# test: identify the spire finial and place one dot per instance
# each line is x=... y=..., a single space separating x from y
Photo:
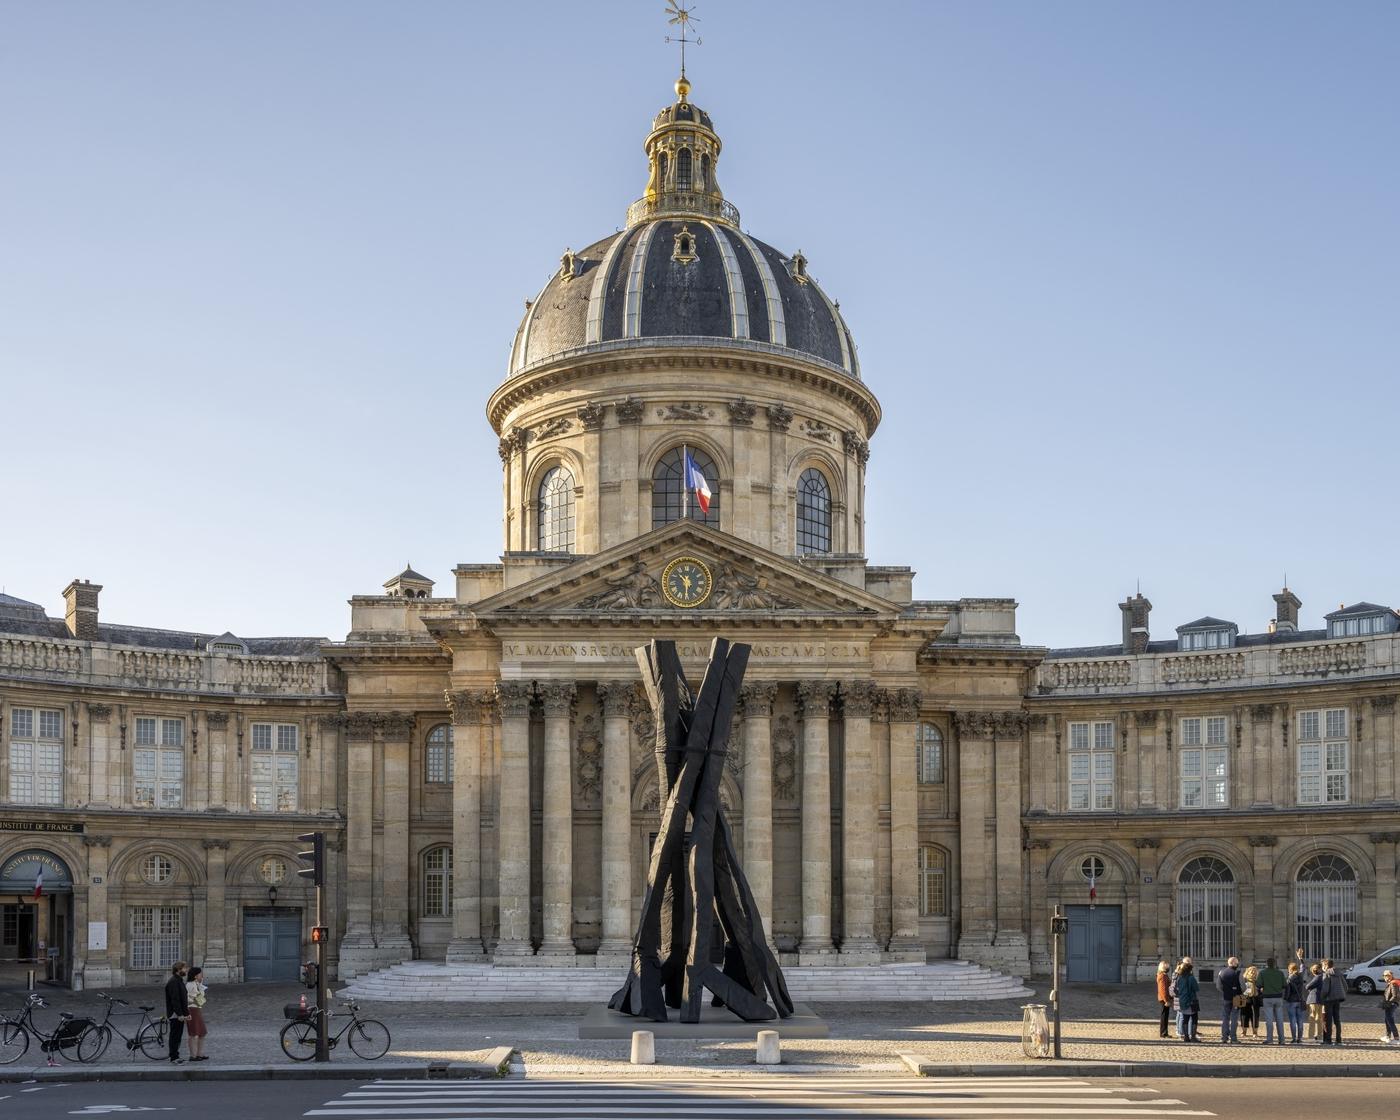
x=681 y=16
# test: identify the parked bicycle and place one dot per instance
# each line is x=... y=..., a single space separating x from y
x=148 y=1037
x=16 y=1032
x=369 y=1038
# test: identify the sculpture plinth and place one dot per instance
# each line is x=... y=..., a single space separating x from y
x=698 y=905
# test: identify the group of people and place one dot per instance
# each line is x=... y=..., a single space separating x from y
x=185 y=996
x=1309 y=996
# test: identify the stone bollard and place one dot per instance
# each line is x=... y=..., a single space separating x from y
x=643 y=1048
x=769 y=1049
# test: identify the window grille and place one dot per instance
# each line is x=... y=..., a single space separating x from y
x=437 y=883
x=1206 y=905
x=438 y=754
x=933 y=881
x=556 y=511
x=930 y=754
x=1325 y=908
x=813 y=512
x=668 y=489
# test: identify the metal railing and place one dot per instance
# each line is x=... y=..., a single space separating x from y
x=683 y=202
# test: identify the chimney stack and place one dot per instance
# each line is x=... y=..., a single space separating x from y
x=1288 y=605
x=80 y=611
x=1135 y=611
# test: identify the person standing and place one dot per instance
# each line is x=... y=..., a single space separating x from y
x=1249 y=1010
x=177 y=1008
x=195 y=991
x=1187 y=989
x=1334 y=992
x=1164 y=998
x=1271 y=982
x=1315 y=989
x=1295 y=1000
x=1390 y=1002
x=1227 y=980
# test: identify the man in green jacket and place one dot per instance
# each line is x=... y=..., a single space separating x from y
x=1271 y=982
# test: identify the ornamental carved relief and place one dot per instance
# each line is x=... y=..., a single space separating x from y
x=853 y=444
x=470 y=706
x=990 y=725
x=588 y=761
x=816 y=429
x=551 y=428
x=904 y=704
x=784 y=760
x=1382 y=704
x=684 y=410
x=514 y=698
x=629 y=410
x=814 y=699
x=1145 y=719
x=739 y=591
x=1261 y=713
x=734 y=758
x=859 y=699
x=634 y=588
x=1263 y=841
x=101 y=713
x=558 y=698
x=757 y=699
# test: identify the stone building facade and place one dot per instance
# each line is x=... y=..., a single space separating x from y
x=907 y=778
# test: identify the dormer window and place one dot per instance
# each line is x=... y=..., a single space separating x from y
x=797 y=266
x=568 y=267
x=1206 y=633
x=1361 y=620
x=684 y=250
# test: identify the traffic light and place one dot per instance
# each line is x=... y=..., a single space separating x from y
x=316 y=857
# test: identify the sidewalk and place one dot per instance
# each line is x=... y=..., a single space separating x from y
x=1110 y=1030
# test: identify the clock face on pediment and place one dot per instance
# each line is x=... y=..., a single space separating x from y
x=687 y=582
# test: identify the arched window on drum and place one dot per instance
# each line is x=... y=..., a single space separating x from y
x=1206 y=904
x=1325 y=908
x=813 y=512
x=670 y=500
x=556 y=510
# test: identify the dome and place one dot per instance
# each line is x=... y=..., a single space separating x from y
x=683 y=280
x=683 y=272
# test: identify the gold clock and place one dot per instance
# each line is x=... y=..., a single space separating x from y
x=687 y=582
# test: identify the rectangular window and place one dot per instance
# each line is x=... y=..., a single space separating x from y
x=36 y=761
x=1324 y=760
x=1091 y=765
x=274 y=773
x=158 y=764
x=1205 y=763
x=155 y=936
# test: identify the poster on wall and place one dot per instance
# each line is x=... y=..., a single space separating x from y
x=97 y=936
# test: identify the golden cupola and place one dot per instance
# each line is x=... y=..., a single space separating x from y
x=682 y=154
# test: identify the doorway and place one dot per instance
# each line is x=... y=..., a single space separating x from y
x=272 y=943
x=1094 y=952
x=36 y=928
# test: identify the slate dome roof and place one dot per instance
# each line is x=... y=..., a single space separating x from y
x=683 y=278
x=683 y=272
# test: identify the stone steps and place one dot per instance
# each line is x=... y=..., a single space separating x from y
x=430 y=981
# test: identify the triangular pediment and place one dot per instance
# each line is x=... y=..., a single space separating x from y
x=746 y=580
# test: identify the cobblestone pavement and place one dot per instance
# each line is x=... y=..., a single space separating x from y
x=1102 y=1023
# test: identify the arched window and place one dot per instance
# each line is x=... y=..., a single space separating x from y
x=930 y=754
x=437 y=757
x=437 y=883
x=933 y=881
x=1205 y=910
x=663 y=165
x=683 y=170
x=704 y=183
x=556 y=511
x=813 y=512
x=668 y=490
x=1325 y=905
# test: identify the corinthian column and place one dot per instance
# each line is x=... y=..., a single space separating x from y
x=393 y=873
x=617 y=824
x=470 y=710
x=513 y=824
x=858 y=829
x=904 y=826
x=758 y=796
x=816 y=948
x=359 y=836
x=558 y=838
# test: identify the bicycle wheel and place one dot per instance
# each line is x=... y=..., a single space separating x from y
x=369 y=1038
x=93 y=1044
x=14 y=1041
x=152 y=1041
x=299 y=1040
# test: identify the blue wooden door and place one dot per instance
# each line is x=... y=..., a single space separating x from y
x=1094 y=946
x=271 y=944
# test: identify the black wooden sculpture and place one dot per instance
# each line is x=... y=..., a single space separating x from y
x=697 y=903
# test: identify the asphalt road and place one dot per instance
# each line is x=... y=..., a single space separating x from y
x=732 y=1098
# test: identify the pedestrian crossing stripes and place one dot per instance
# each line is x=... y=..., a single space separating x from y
x=742 y=1097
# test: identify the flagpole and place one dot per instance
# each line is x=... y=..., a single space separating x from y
x=685 y=483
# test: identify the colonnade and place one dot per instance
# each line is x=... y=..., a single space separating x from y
x=474 y=711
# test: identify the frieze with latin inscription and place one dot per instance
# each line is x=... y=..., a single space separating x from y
x=623 y=652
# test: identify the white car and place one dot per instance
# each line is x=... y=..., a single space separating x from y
x=1365 y=977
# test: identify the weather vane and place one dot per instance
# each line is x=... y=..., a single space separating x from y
x=681 y=15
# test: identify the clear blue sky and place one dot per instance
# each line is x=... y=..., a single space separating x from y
x=1125 y=276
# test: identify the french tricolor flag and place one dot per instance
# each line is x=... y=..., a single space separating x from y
x=695 y=480
x=39 y=882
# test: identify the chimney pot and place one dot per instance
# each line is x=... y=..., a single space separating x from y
x=80 y=609
x=1288 y=607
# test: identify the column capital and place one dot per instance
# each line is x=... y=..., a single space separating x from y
x=757 y=699
x=815 y=697
x=470 y=705
x=220 y=719
x=858 y=699
x=514 y=697
x=618 y=699
x=99 y=713
x=396 y=725
x=903 y=704
x=558 y=697
x=92 y=840
x=214 y=845
x=991 y=725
